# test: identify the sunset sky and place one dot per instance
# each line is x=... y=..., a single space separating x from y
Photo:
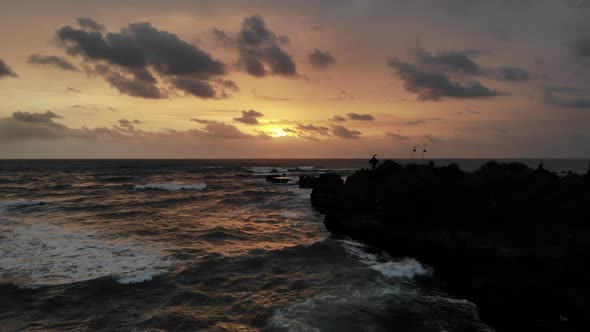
x=294 y=78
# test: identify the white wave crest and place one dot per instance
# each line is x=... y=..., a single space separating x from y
x=172 y=186
x=405 y=267
x=20 y=203
x=33 y=255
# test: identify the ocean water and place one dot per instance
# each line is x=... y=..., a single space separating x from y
x=199 y=245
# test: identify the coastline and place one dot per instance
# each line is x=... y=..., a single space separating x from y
x=511 y=239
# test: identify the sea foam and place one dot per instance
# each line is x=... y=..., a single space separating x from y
x=405 y=267
x=34 y=255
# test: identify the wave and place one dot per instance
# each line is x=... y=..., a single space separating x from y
x=20 y=203
x=172 y=186
x=405 y=267
x=35 y=255
x=263 y=170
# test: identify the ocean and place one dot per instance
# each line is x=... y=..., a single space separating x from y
x=201 y=245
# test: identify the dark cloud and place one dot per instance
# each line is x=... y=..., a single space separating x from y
x=342 y=132
x=194 y=87
x=201 y=121
x=338 y=118
x=90 y=24
x=131 y=85
x=128 y=60
x=581 y=48
x=249 y=117
x=129 y=123
x=449 y=61
x=513 y=74
x=397 y=137
x=290 y=131
x=434 y=85
x=321 y=59
x=228 y=84
x=260 y=53
x=27 y=125
x=52 y=61
x=360 y=117
x=6 y=71
x=220 y=130
x=46 y=117
x=311 y=129
x=223 y=38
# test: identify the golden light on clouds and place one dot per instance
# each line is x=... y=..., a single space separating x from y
x=303 y=69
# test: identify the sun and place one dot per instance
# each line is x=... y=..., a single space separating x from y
x=277 y=132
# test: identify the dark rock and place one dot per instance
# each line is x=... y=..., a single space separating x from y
x=513 y=240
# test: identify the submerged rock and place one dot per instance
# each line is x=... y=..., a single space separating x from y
x=511 y=239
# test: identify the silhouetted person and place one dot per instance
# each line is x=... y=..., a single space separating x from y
x=374 y=161
x=540 y=167
x=588 y=171
x=431 y=164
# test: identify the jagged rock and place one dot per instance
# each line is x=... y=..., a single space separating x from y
x=510 y=239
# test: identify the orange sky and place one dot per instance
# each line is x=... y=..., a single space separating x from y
x=465 y=78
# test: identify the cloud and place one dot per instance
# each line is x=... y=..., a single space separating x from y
x=194 y=87
x=311 y=129
x=513 y=74
x=129 y=124
x=140 y=59
x=90 y=25
x=321 y=59
x=223 y=38
x=220 y=130
x=46 y=117
x=338 y=118
x=6 y=71
x=201 y=121
x=260 y=53
x=27 y=125
x=249 y=117
x=397 y=137
x=458 y=62
x=581 y=48
x=21 y=126
x=52 y=61
x=360 y=117
x=434 y=85
x=342 y=132
x=129 y=84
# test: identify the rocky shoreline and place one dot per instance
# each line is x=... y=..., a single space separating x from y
x=513 y=240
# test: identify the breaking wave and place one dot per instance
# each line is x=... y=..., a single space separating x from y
x=44 y=254
x=405 y=267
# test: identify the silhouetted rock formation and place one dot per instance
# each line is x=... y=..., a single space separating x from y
x=513 y=240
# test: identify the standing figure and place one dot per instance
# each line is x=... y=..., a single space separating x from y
x=374 y=161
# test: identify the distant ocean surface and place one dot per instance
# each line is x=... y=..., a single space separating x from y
x=201 y=245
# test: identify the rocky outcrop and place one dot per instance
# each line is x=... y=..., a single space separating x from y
x=513 y=240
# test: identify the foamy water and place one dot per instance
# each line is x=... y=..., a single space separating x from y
x=195 y=245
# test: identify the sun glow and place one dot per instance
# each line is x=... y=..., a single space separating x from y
x=277 y=132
